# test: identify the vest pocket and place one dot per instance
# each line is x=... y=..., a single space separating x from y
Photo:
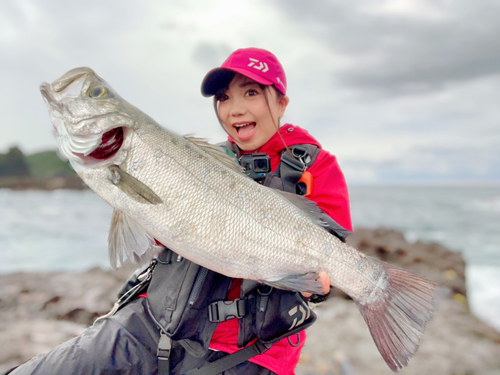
x=178 y=298
x=171 y=277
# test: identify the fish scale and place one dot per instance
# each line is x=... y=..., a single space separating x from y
x=195 y=200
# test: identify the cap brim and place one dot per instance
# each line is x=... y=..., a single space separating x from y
x=222 y=77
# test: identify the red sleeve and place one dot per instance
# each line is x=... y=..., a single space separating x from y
x=329 y=189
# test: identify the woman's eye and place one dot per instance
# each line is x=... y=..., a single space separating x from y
x=98 y=92
x=223 y=98
x=252 y=92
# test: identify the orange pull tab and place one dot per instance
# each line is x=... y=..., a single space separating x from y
x=307 y=180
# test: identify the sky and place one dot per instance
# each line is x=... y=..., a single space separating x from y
x=400 y=91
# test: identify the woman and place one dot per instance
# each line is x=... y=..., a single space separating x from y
x=249 y=91
x=191 y=320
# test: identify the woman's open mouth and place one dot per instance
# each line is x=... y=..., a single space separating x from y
x=111 y=142
x=245 y=130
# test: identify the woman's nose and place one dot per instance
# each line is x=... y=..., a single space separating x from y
x=237 y=109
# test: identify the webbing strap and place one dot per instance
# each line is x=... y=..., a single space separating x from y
x=163 y=354
x=290 y=172
x=231 y=360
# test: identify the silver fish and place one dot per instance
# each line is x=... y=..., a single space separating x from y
x=196 y=200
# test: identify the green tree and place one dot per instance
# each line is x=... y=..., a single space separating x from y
x=13 y=164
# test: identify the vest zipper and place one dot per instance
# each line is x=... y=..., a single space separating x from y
x=197 y=286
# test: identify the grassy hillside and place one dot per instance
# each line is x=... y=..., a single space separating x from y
x=47 y=164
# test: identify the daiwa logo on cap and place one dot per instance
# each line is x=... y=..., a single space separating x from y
x=261 y=66
x=281 y=83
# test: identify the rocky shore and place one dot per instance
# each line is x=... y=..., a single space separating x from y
x=40 y=310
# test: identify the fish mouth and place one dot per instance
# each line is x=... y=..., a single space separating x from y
x=71 y=83
x=50 y=100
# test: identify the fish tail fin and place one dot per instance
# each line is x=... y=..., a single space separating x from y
x=396 y=313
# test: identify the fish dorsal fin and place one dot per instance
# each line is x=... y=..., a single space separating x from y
x=217 y=152
x=310 y=208
x=128 y=237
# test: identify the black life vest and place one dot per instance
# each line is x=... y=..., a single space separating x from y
x=188 y=301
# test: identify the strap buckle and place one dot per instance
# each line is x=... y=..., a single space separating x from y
x=298 y=162
x=220 y=311
x=261 y=347
x=164 y=348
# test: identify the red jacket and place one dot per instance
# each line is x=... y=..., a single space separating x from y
x=329 y=191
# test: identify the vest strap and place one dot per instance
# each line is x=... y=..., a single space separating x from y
x=231 y=360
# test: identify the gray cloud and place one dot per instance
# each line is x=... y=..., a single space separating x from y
x=398 y=54
x=210 y=55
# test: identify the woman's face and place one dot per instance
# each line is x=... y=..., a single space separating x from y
x=245 y=115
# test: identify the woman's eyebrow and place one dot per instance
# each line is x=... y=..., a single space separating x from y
x=248 y=83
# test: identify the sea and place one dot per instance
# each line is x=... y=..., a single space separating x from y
x=66 y=230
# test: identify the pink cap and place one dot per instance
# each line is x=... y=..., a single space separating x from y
x=255 y=63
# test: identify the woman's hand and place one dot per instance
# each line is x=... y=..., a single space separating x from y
x=325 y=280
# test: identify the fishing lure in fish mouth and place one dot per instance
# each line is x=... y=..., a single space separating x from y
x=194 y=199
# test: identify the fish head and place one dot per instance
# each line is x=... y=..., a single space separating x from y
x=90 y=121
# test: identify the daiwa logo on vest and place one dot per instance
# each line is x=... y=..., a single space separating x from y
x=304 y=314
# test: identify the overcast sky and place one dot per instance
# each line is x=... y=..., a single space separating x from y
x=398 y=90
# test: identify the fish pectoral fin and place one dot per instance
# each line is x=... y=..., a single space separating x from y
x=134 y=188
x=298 y=283
x=128 y=237
x=218 y=153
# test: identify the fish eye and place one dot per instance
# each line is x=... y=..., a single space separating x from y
x=98 y=92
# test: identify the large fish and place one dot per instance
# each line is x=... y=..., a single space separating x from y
x=196 y=200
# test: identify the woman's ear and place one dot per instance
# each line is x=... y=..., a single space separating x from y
x=282 y=103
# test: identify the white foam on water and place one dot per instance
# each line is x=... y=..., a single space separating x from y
x=483 y=288
x=489 y=204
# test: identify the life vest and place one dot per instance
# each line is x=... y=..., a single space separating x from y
x=188 y=301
